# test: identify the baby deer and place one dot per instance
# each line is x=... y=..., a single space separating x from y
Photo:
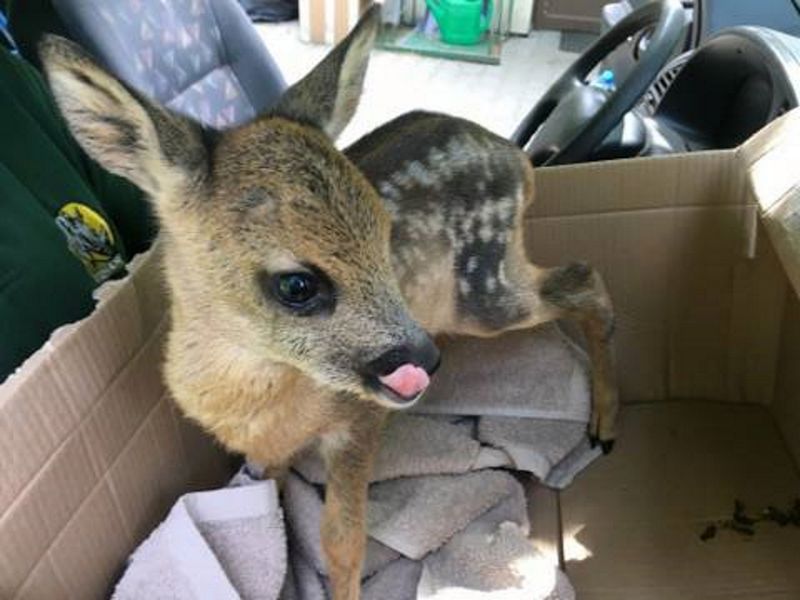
x=301 y=300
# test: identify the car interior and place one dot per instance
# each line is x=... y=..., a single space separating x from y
x=699 y=283
x=731 y=80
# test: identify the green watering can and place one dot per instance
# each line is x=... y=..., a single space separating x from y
x=460 y=21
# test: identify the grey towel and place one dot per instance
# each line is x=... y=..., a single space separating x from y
x=530 y=394
x=494 y=561
x=416 y=516
x=225 y=544
x=468 y=535
x=303 y=505
x=537 y=373
x=413 y=445
x=492 y=558
x=553 y=450
x=398 y=581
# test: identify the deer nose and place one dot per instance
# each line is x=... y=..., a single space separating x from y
x=401 y=374
x=418 y=351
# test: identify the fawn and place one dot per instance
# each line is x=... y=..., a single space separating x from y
x=302 y=301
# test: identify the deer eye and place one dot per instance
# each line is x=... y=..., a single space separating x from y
x=296 y=289
x=304 y=293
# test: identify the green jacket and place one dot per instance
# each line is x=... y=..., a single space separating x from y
x=65 y=224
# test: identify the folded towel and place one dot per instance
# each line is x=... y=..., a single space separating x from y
x=492 y=558
x=413 y=445
x=303 y=505
x=490 y=561
x=553 y=450
x=225 y=544
x=398 y=581
x=416 y=445
x=537 y=373
x=467 y=534
x=415 y=516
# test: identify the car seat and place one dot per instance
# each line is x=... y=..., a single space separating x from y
x=202 y=58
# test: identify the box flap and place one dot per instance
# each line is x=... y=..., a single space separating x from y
x=779 y=133
x=772 y=158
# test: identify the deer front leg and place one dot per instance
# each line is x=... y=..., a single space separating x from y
x=348 y=455
x=597 y=329
x=580 y=294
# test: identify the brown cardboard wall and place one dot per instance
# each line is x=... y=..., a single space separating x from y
x=674 y=237
x=787 y=398
x=94 y=451
x=760 y=287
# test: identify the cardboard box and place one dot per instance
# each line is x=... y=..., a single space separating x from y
x=700 y=254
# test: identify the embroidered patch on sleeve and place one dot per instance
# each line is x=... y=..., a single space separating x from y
x=90 y=239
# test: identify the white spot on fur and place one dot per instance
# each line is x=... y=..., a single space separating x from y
x=472 y=264
x=486 y=211
x=505 y=208
x=501 y=274
x=388 y=191
x=425 y=227
x=464 y=287
x=438 y=160
x=415 y=173
x=418 y=171
x=491 y=284
x=466 y=236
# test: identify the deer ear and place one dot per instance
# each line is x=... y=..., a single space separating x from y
x=120 y=129
x=328 y=96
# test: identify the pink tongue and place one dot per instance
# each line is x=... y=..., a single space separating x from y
x=407 y=381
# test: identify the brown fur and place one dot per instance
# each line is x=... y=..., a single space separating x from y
x=273 y=196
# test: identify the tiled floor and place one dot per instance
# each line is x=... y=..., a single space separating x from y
x=497 y=97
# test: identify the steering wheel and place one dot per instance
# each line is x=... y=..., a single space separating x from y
x=573 y=117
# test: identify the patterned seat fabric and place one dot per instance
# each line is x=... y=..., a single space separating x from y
x=202 y=58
